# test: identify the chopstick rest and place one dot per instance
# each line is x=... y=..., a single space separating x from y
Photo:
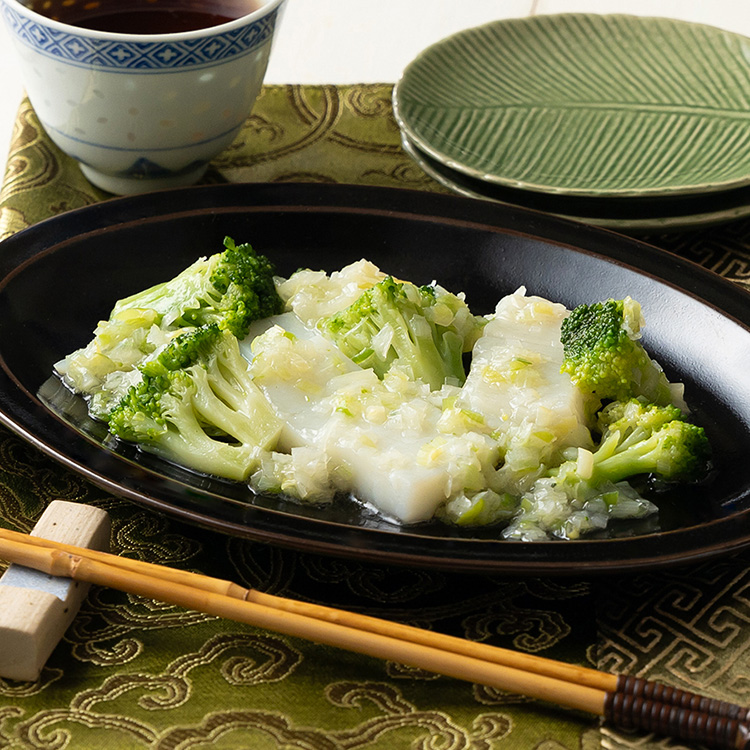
x=36 y=608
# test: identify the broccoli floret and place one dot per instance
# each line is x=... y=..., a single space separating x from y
x=604 y=357
x=635 y=419
x=422 y=330
x=197 y=405
x=105 y=368
x=119 y=343
x=232 y=289
x=643 y=438
x=638 y=438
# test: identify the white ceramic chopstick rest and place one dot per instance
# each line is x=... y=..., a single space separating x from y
x=35 y=608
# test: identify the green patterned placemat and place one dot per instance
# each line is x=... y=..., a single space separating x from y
x=132 y=673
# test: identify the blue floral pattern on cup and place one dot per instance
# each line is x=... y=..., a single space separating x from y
x=142 y=56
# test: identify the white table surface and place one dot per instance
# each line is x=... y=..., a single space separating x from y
x=371 y=41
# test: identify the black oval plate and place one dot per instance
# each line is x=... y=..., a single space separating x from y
x=61 y=276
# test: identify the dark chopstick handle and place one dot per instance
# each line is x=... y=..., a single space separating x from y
x=660 y=693
x=628 y=711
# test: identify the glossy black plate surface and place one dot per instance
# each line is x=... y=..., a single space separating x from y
x=58 y=278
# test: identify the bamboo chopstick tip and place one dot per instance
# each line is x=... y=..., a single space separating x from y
x=36 y=608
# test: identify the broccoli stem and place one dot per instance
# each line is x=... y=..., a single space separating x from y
x=192 y=447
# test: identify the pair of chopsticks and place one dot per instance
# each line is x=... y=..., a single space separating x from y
x=629 y=703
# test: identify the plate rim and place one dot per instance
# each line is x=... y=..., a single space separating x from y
x=668 y=223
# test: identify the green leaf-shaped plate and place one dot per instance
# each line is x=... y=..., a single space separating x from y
x=584 y=104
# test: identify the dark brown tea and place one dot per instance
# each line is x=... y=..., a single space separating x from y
x=145 y=16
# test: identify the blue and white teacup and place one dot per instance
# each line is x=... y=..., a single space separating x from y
x=141 y=112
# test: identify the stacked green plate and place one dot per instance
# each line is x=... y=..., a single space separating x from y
x=621 y=121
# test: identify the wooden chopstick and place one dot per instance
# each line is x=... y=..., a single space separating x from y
x=527 y=662
x=82 y=566
x=691 y=717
